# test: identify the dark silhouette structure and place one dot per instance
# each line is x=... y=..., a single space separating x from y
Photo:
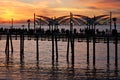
x=54 y=34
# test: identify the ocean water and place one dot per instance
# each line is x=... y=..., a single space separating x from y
x=45 y=70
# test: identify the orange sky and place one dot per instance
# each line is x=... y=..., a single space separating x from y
x=24 y=9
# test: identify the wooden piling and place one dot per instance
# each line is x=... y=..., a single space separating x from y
x=56 y=44
x=72 y=49
x=11 y=43
x=21 y=48
x=87 y=50
x=94 y=40
x=52 y=46
x=37 y=47
x=72 y=38
x=108 y=55
x=116 y=51
x=7 y=47
x=67 y=55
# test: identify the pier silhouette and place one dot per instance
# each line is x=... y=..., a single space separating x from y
x=54 y=34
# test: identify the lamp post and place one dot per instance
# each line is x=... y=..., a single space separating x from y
x=28 y=24
x=110 y=22
x=114 y=20
x=40 y=23
x=12 y=23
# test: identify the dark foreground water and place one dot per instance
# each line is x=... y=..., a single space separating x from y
x=45 y=70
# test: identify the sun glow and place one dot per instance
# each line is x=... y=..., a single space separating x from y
x=22 y=10
x=8 y=14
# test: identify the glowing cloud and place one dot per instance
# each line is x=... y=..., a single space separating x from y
x=24 y=9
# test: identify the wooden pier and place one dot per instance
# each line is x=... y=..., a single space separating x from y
x=54 y=36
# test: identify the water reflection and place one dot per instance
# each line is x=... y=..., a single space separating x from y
x=22 y=70
x=9 y=61
x=70 y=72
x=25 y=69
x=116 y=72
x=91 y=73
x=55 y=72
x=37 y=64
x=108 y=71
x=58 y=73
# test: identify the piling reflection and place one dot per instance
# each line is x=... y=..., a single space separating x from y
x=94 y=73
x=70 y=72
x=9 y=60
x=54 y=72
x=87 y=71
x=116 y=72
x=22 y=69
x=21 y=59
x=108 y=71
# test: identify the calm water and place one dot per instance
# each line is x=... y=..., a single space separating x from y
x=45 y=70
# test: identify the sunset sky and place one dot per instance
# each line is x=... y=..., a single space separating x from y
x=24 y=9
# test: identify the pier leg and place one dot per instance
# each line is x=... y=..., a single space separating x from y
x=67 y=56
x=72 y=49
x=11 y=44
x=37 y=48
x=116 y=52
x=87 y=50
x=52 y=48
x=94 y=40
x=21 y=48
x=7 y=48
x=56 y=48
x=116 y=58
x=108 y=55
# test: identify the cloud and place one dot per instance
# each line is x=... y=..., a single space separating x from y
x=24 y=9
x=106 y=4
x=92 y=7
x=21 y=10
x=109 y=1
x=59 y=1
x=26 y=1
